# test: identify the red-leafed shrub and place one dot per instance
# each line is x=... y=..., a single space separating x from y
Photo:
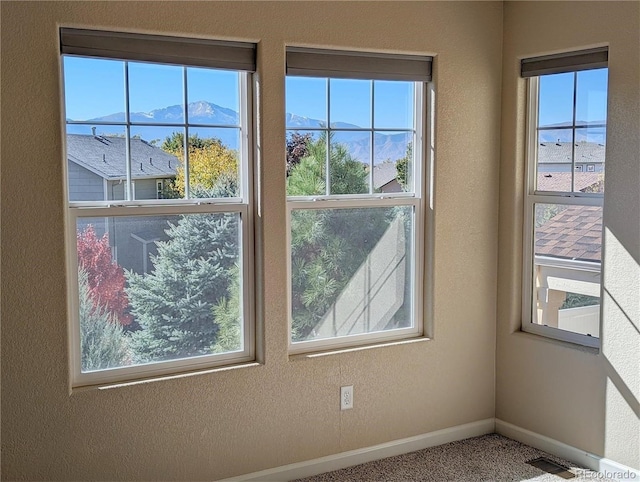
x=104 y=276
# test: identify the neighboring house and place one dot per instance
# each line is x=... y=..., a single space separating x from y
x=561 y=181
x=554 y=159
x=556 y=156
x=384 y=178
x=97 y=167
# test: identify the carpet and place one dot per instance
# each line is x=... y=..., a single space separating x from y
x=486 y=458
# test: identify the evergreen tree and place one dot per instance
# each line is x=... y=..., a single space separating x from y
x=346 y=174
x=103 y=343
x=402 y=168
x=297 y=148
x=193 y=271
x=227 y=314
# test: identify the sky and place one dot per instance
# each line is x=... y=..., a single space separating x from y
x=556 y=97
x=95 y=88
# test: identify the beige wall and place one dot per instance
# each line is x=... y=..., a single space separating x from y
x=285 y=410
x=580 y=397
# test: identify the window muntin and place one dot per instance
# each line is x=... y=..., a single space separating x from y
x=355 y=232
x=161 y=279
x=563 y=216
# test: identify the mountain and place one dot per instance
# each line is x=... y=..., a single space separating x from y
x=555 y=133
x=387 y=146
x=200 y=112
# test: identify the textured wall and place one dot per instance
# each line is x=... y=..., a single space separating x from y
x=230 y=422
x=583 y=398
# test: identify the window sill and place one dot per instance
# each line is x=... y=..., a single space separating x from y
x=160 y=378
x=353 y=349
x=554 y=341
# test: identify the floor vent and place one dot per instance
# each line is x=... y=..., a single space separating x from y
x=551 y=467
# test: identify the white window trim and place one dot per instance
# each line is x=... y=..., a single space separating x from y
x=244 y=205
x=533 y=197
x=421 y=139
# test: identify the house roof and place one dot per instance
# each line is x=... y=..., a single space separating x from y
x=383 y=174
x=561 y=181
x=574 y=233
x=560 y=152
x=105 y=156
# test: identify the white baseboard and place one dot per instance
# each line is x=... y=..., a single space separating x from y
x=368 y=454
x=610 y=468
x=547 y=444
x=560 y=449
x=439 y=437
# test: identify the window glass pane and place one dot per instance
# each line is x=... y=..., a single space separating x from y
x=568 y=232
x=566 y=267
x=306 y=163
x=300 y=144
x=393 y=104
x=214 y=159
x=306 y=102
x=554 y=164
x=351 y=271
x=556 y=100
x=589 y=158
x=158 y=288
x=350 y=103
x=94 y=89
x=156 y=93
x=393 y=155
x=591 y=97
x=155 y=156
x=213 y=96
x=349 y=165
x=96 y=164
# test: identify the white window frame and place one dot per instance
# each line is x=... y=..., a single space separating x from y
x=421 y=162
x=587 y=270
x=244 y=205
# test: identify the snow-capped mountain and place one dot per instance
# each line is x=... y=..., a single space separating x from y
x=387 y=146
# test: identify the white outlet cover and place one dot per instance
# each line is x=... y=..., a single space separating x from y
x=346 y=397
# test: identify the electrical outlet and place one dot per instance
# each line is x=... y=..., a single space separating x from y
x=346 y=397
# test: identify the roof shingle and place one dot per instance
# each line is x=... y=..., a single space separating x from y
x=574 y=233
x=106 y=157
x=560 y=152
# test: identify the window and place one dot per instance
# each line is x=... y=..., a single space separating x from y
x=159 y=184
x=563 y=208
x=356 y=186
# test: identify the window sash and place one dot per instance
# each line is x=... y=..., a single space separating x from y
x=244 y=165
x=533 y=89
x=417 y=141
x=417 y=269
x=128 y=373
